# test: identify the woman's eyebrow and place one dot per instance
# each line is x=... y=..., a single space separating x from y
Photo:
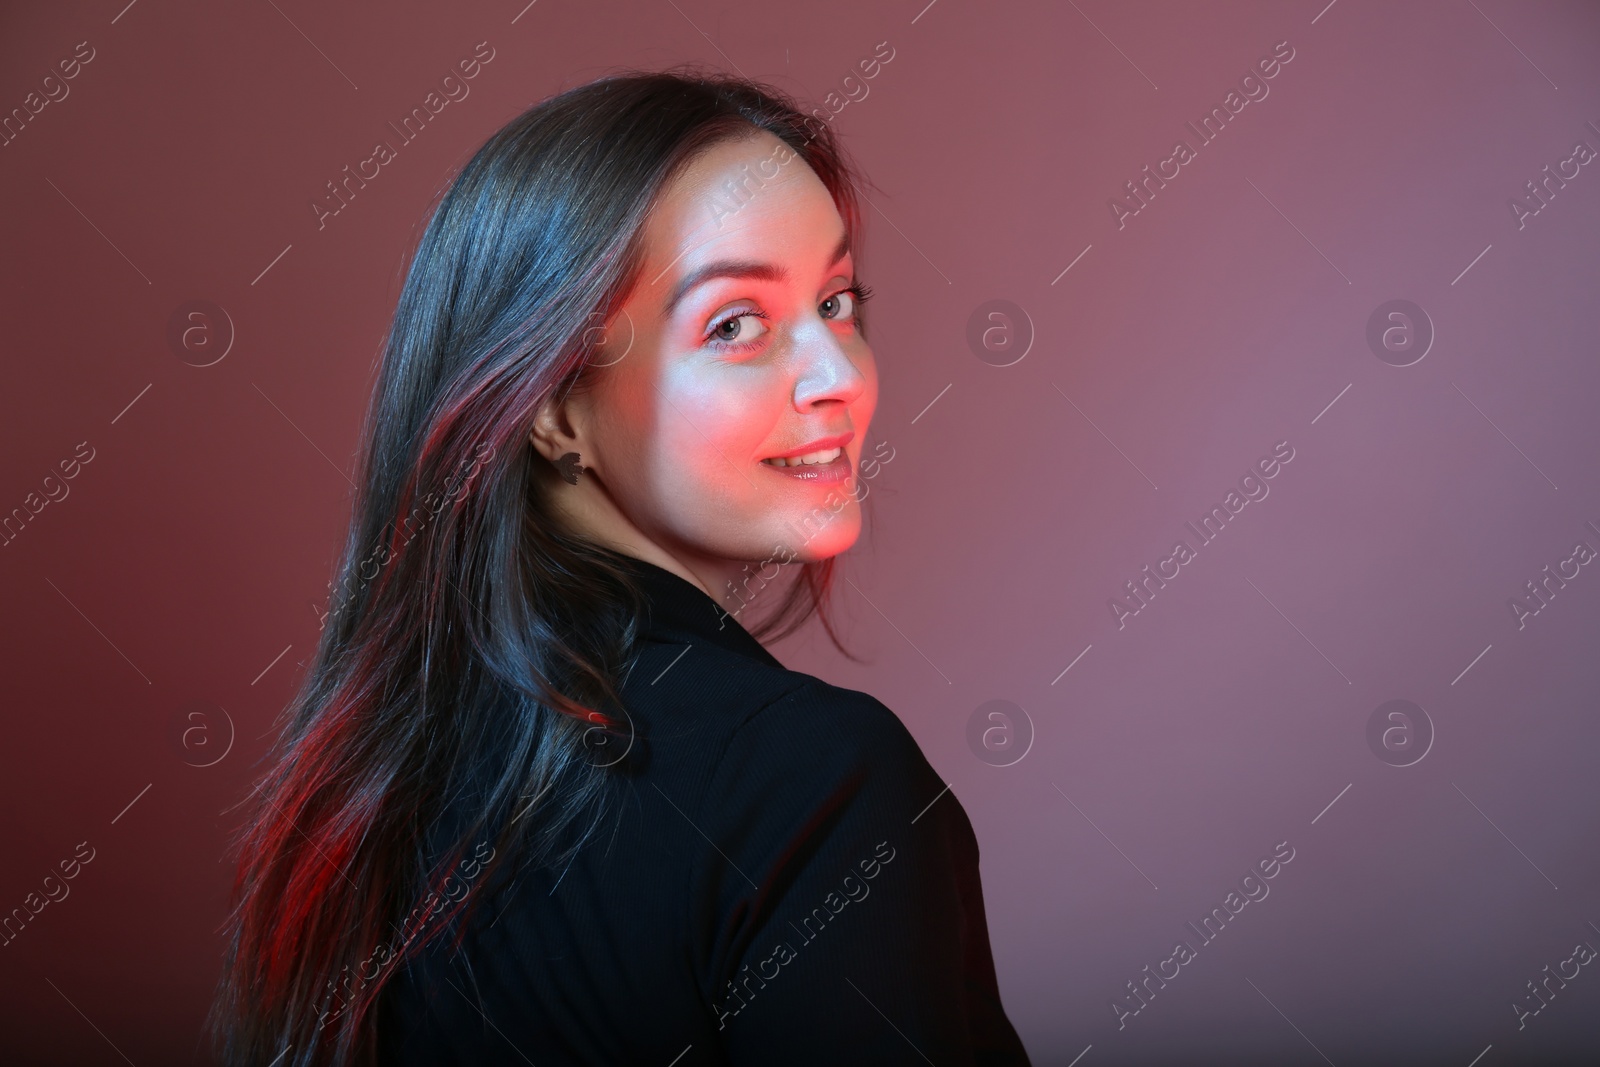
x=731 y=268
x=725 y=268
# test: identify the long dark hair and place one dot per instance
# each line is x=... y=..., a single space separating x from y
x=472 y=652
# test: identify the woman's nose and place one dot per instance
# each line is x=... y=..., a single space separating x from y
x=826 y=371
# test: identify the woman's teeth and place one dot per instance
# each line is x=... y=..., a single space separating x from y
x=807 y=460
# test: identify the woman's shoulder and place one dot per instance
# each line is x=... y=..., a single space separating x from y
x=751 y=701
x=846 y=719
x=729 y=730
x=820 y=740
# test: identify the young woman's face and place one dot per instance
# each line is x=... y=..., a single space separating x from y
x=728 y=415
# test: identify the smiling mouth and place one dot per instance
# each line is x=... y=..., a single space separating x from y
x=830 y=466
x=810 y=459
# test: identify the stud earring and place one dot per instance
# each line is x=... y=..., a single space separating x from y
x=570 y=467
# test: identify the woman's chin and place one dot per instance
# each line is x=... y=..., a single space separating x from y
x=812 y=539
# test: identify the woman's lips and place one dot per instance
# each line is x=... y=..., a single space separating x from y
x=833 y=472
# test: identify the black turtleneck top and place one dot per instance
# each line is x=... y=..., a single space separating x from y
x=786 y=881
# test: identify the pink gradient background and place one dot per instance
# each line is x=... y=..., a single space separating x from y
x=196 y=546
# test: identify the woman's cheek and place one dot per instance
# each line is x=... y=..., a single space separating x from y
x=727 y=412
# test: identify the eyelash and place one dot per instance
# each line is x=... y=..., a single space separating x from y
x=860 y=291
x=732 y=346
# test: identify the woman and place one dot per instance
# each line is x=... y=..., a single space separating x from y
x=543 y=797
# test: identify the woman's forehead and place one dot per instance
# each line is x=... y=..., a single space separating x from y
x=742 y=199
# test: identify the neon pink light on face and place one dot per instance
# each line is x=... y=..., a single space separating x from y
x=744 y=346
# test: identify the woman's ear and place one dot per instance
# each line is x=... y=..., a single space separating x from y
x=553 y=434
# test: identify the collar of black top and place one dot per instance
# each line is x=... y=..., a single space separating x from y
x=679 y=610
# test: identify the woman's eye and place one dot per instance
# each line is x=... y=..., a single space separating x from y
x=840 y=305
x=743 y=328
